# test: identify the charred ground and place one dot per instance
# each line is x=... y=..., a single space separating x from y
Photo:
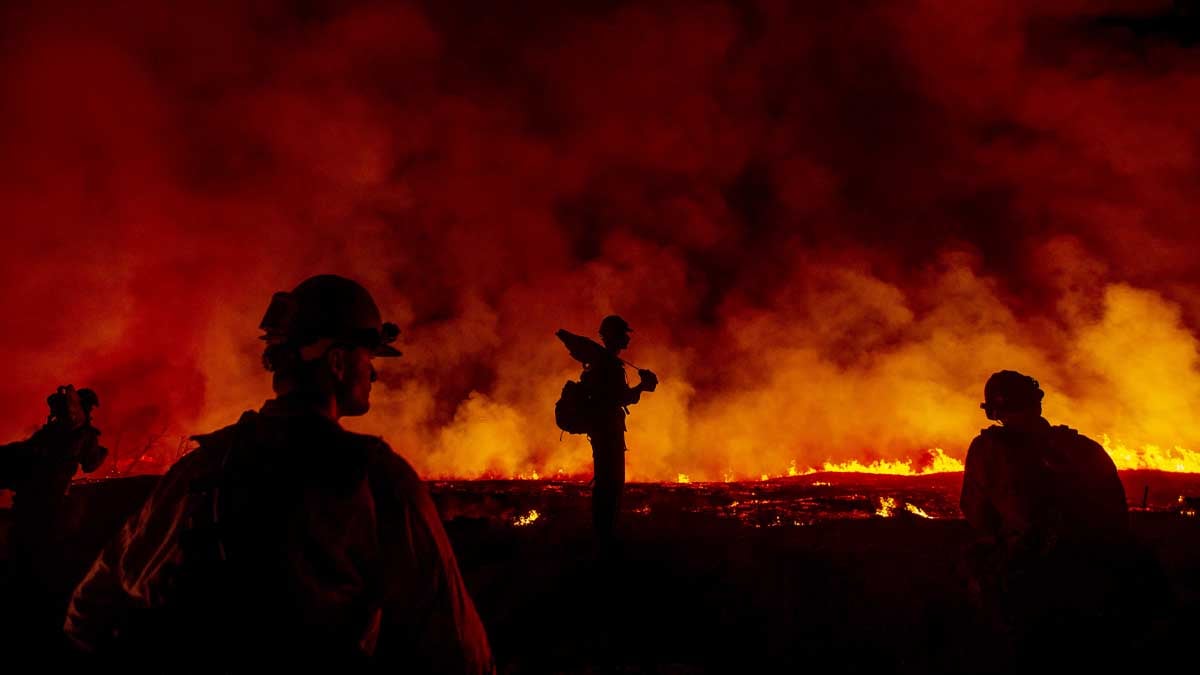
x=781 y=575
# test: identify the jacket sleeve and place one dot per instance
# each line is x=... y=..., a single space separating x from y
x=975 y=501
x=428 y=623
x=130 y=572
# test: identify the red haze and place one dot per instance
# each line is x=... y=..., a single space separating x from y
x=828 y=223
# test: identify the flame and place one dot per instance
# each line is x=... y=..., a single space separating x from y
x=1177 y=459
x=527 y=519
x=917 y=511
x=683 y=478
x=937 y=461
x=888 y=506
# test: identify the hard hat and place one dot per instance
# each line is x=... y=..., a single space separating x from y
x=614 y=324
x=1010 y=390
x=328 y=306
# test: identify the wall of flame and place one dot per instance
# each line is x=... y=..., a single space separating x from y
x=827 y=223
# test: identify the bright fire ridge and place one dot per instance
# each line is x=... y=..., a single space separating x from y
x=1175 y=460
x=1146 y=457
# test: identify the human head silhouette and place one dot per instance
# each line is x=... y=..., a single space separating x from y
x=614 y=332
x=1011 y=398
x=321 y=337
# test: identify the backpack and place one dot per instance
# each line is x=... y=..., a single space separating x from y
x=572 y=412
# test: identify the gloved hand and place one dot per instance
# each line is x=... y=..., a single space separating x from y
x=86 y=448
x=649 y=380
x=66 y=408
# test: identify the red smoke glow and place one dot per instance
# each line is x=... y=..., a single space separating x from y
x=827 y=223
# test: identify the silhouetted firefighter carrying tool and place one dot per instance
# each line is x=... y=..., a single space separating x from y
x=596 y=405
x=39 y=470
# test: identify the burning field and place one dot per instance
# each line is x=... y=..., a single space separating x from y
x=791 y=502
x=827 y=223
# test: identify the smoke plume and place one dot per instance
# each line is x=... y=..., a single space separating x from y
x=828 y=223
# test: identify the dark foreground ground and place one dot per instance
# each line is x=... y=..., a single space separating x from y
x=781 y=577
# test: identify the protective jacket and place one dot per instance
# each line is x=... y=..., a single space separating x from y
x=283 y=540
x=609 y=393
x=1049 y=489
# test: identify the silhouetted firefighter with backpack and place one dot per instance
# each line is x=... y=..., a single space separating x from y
x=1055 y=567
x=597 y=406
x=285 y=542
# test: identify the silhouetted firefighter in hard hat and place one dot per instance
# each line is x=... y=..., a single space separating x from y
x=597 y=405
x=39 y=471
x=284 y=541
x=1053 y=564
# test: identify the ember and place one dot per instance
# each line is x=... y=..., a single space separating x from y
x=527 y=519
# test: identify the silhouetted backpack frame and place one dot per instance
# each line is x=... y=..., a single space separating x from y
x=572 y=412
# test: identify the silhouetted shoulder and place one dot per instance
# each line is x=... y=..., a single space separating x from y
x=1066 y=433
x=218 y=437
x=216 y=442
x=388 y=467
x=986 y=442
x=993 y=434
x=1082 y=449
x=205 y=458
x=1067 y=437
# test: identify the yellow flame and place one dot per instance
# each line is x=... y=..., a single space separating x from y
x=917 y=511
x=527 y=519
x=887 y=506
x=937 y=462
x=1176 y=460
x=683 y=478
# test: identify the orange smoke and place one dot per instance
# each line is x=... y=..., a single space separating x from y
x=826 y=233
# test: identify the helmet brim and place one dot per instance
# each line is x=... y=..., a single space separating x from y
x=385 y=350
